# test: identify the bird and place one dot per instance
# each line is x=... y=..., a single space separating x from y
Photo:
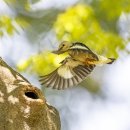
x=74 y=68
x=81 y=52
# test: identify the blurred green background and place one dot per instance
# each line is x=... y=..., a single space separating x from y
x=31 y=29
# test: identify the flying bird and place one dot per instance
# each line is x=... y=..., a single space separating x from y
x=75 y=68
x=81 y=52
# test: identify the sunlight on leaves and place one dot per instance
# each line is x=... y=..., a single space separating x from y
x=41 y=63
x=114 y=9
x=74 y=26
x=6 y=25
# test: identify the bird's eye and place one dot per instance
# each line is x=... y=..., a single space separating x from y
x=63 y=45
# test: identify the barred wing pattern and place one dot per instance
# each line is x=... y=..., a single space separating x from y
x=68 y=78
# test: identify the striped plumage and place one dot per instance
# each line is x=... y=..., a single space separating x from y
x=81 y=52
x=73 y=69
x=69 y=74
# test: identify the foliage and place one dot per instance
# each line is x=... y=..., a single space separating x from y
x=40 y=20
x=110 y=11
x=6 y=25
x=79 y=23
x=93 y=23
x=25 y=4
x=41 y=63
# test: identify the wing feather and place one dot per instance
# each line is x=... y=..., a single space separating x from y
x=56 y=82
x=75 y=80
x=72 y=76
x=60 y=84
x=79 y=75
x=47 y=79
x=65 y=84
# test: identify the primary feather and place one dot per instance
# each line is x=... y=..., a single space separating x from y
x=69 y=74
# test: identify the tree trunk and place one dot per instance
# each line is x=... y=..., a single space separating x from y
x=23 y=106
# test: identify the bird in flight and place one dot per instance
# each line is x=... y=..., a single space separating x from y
x=74 y=68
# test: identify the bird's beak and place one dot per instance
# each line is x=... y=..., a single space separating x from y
x=56 y=52
x=59 y=51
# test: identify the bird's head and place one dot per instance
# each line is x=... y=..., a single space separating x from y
x=63 y=47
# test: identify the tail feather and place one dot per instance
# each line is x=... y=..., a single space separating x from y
x=104 y=60
x=112 y=60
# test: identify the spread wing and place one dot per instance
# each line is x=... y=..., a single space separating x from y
x=67 y=75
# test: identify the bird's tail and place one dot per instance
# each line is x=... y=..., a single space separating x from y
x=104 y=60
x=111 y=60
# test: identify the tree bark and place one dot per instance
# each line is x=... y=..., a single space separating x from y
x=23 y=106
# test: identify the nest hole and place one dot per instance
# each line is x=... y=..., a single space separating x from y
x=31 y=95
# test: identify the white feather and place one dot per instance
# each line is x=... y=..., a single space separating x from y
x=79 y=47
x=65 y=72
x=102 y=60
